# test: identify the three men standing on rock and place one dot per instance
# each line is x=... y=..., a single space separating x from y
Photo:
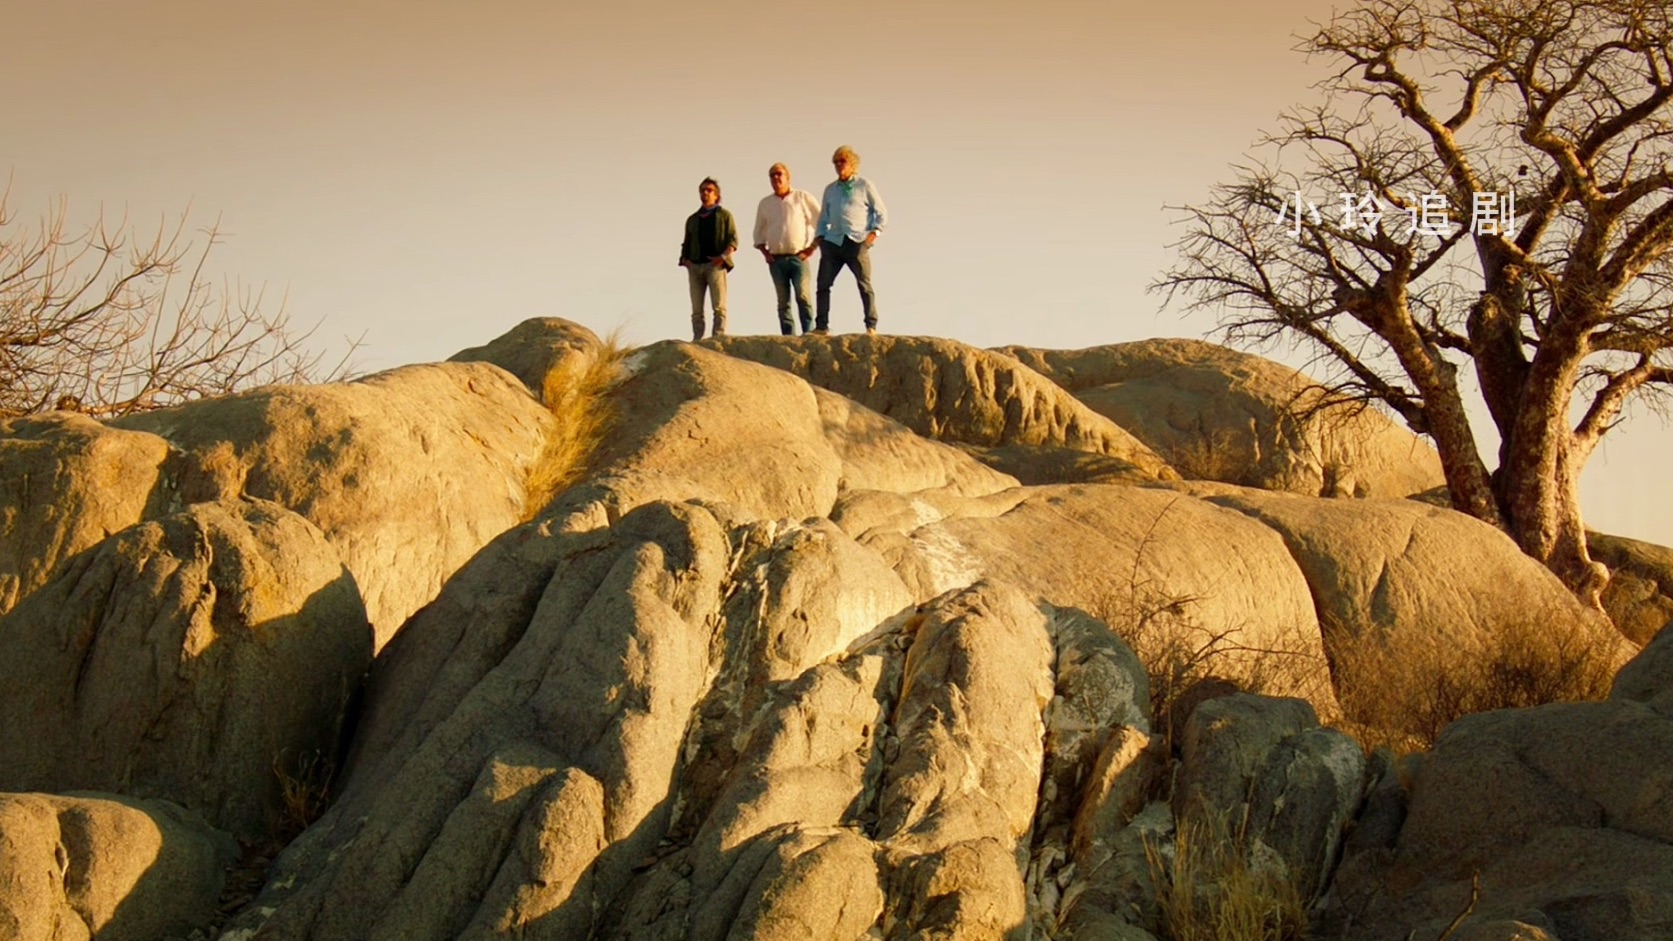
x=706 y=254
x=851 y=216
x=789 y=225
x=785 y=226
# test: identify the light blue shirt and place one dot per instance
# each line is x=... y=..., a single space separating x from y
x=850 y=210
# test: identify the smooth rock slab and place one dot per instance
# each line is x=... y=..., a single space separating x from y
x=1219 y=414
x=193 y=658
x=80 y=866
x=408 y=472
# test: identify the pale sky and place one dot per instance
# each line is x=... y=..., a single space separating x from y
x=428 y=173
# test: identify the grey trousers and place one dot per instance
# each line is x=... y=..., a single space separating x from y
x=710 y=277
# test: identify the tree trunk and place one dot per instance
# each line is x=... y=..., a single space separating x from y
x=1467 y=479
x=1446 y=420
x=1538 y=483
x=1545 y=521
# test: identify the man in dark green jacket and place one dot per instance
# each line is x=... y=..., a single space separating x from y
x=706 y=254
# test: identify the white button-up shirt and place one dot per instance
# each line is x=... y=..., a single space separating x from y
x=785 y=224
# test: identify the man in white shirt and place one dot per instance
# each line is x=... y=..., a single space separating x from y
x=784 y=224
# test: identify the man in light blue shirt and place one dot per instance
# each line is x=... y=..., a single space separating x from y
x=851 y=216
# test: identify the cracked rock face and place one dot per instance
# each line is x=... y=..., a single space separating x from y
x=945 y=390
x=1562 y=810
x=794 y=661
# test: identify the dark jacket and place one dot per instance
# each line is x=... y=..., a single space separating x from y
x=726 y=237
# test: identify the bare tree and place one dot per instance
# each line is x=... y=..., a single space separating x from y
x=107 y=321
x=1502 y=172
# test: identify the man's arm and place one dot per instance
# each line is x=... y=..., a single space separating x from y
x=728 y=239
x=759 y=239
x=876 y=215
x=810 y=222
x=822 y=228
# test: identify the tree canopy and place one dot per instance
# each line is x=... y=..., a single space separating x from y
x=1484 y=188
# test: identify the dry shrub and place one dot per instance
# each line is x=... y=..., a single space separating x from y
x=1210 y=453
x=114 y=319
x=304 y=791
x=1400 y=690
x=1179 y=651
x=1211 y=886
x=577 y=393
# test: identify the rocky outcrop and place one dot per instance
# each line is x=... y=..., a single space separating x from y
x=203 y=658
x=1218 y=414
x=580 y=719
x=833 y=741
x=1403 y=617
x=1572 y=839
x=66 y=483
x=1639 y=596
x=1042 y=464
x=1648 y=676
x=536 y=349
x=1572 y=834
x=758 y=441
x=1263 y=770
x=84 y=866
x=1136 y=557
x=945 y=390
x=795 y=658
x=878 y=453
x=408 y=473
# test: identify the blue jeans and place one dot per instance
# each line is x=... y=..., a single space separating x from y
x=788 y=269
x=856 y=257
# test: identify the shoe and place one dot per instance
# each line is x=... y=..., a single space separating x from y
x=871 y=331
x=822 y=332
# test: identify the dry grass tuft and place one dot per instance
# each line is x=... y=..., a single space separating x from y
x=1211 y=887
x=1400 y=692
x=304 y=791
x=576 y=392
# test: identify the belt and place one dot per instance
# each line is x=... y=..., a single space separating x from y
x=785 y=254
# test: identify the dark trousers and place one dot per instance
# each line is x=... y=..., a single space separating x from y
x=856 y=256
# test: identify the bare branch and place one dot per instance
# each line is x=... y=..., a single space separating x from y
x=108 y=323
